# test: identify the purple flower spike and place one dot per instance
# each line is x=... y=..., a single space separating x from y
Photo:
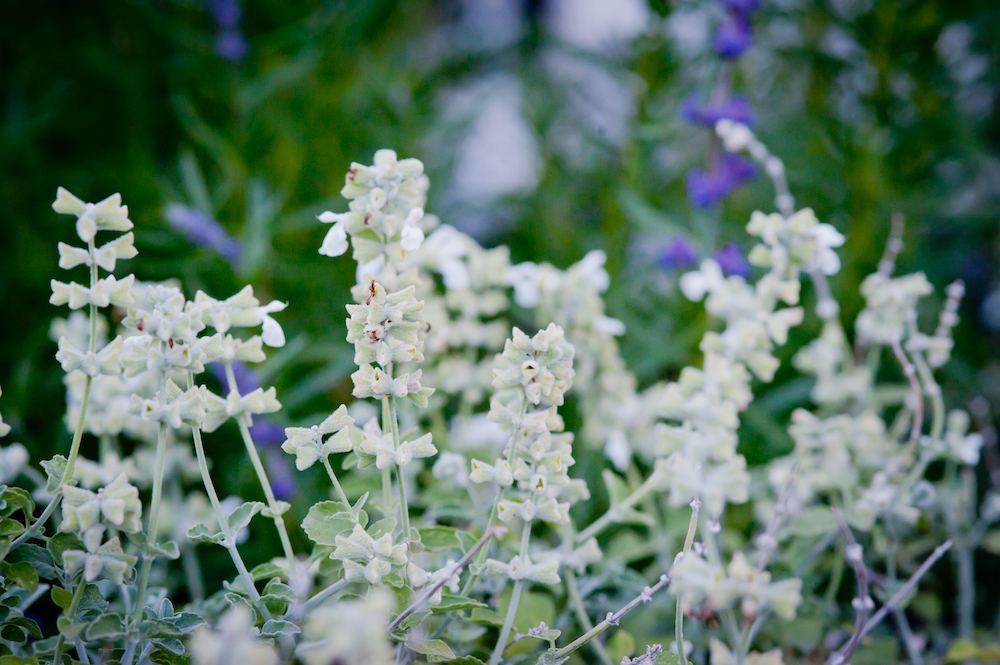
x=203 y=231
x=679 y=253
x=267 y=432
x=231 y=46
x=225 y=12
x=728 y=172
x=742 y=7
x=736 y=108
x=733 y=37
x=280 y=474
x=730 y=258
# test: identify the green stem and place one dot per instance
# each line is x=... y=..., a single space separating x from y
x=515 y=597
x=74 y=605
x=154 y=518
x=386 y=472
x=404 y=506
x=932 y=390
x=679 y=611
x=336 y=483
x=272 y=503
x=494 y=511
x=610 y=517
x=229 y=541
x=573 y=593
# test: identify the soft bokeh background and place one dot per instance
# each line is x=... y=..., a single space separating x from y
x=549 y=125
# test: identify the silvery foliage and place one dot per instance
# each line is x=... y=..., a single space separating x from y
x=475 y=500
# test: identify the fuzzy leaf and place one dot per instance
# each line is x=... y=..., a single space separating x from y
x=435 y=650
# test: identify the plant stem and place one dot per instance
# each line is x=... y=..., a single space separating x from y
x=386 y=472
x=230 y=542
x=336 y=483
x=404 y=506
x=154 y=518
x=679 y=610
x=74 y=605
x=431 y=590
x=573 y=593
x=323 y=595
x=272 y=504
x=491 y=522
x=611 y=620
x=612 y=515
x=515 y=597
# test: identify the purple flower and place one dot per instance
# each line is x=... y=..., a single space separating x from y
x=279 y=472
x=733 y=36
x=679 y=253
x=736 y=108
x=246 y=377
x=730 y=258
x=203 y=231
x=225 y=12
x=231 y=46
x=742 y=7
x=267 y=432
x=728 y=172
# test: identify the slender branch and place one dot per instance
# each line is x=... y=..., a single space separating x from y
x=904 y=590
x=893 y=246
x=608 y=518
x=573 y=592
x=74 y=605
x=918 y=395
x=612 y=619
x=272 y=504
x=679 y=609
x=768 y=541
x=863 y=603
x=515 y=597
x=336 y=483
x=455 y=568
x=321 y=596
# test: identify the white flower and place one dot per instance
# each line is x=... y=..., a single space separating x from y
x=335 y=242
x=105 y=361
x=308 y=444
x=107 y=291
x=499 y=473
x=232 y=641
x=349 y=632
x=116 y=505
x=546 y=572
x=106 y=256
x=524 y=278
x=271 y=331
x=106 y=215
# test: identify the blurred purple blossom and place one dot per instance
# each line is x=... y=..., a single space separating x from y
x=203 y=231
x=733 y=37
x=743 y=7
x=229 y=43
x=279 y=472
x=679 y=253
x=267 y=432
x=730 y=258
x=727 y=173
x=246 y=377
x=736 y=108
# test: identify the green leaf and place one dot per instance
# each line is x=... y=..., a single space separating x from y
x=16 y=499
x=440 y=538
x=435 y=650
x=9 y=527
x=240 y=518
x=29 y=625
x=486 y=616
x=61 y=542
x=277 y=590
x=456 y=603
x=200 y=533
x=961 y=651
x=274 y=628
x=266 y=571
x=467 y=660
x=382 y=527
x=23 y=573
x=61 y=597
x=466 y=540
x=104 y=627
x=70 y=629
x=814 y=521
x=11 y=633
x=38 y=557
x=17 y=660
x=328 y=519
x=280 y=508
x=168 y=657
x=393 y=580
x=621 y=645
x=55 y=469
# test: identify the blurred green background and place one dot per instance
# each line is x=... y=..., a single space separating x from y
x=549 y=125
